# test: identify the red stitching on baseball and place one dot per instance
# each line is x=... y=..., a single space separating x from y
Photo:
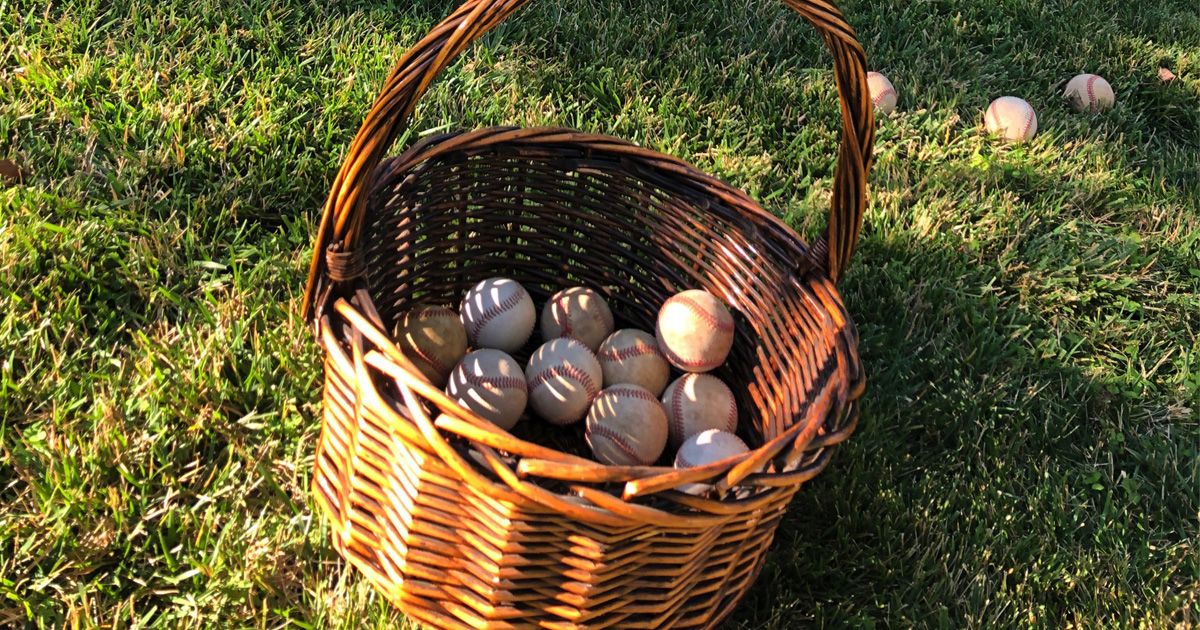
x=679 y=361
x=1092 y=104
x=677 y=407
x=564 y=328
x=603 y=431
x=568 y=370
x=618 y=390
x=433 y=361
x=503 y=382
x=434 y=311
x=699 y=311
x=1028 y=123
x=489 y=314
x=886 y=90
x=620 y=354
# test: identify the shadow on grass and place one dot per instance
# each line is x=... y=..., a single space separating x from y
x=993 y=481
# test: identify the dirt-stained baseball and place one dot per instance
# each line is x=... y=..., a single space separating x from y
x=883 y=94
x=1089 y=93
x=489 y=383
x=563 y=378
x=626 y=426
x=696 y=403
x=433 y=338
x=579 y=313
x=1012 y=118
x=632 y=356
x=694 y=331
x=499 y=314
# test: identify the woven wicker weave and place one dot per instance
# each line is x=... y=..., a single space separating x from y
x=463 y=525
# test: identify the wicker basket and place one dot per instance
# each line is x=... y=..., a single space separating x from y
x=463 y=525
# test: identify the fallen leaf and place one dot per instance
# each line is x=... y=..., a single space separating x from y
x=10 y=173
x=1166 y=75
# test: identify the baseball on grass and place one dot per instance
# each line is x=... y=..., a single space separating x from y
x=694 y=331
x=433 y=338
x=883 y=94
x=579 y=313
x=632 y=356
x=489 y=383
x=698 y=402
x=1089 y=93
x=1012 y=118
x=563 y=378
x=626 y=426
x=499 y=314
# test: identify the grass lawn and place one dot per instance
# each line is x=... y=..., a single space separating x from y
x=1030 y=316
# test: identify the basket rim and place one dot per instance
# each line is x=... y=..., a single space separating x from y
x=538 y=461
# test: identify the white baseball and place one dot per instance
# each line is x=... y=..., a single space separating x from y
x=696 y=403
x=1012 y=118
x=563 y=378
x=626 y=426
x=705 y=448
x=883 y=94
x=632 y=356
x=489 y=383
x=433 y=338
x=579 y=313
x=499 y=314
x=694 y=331
x=1089 y=93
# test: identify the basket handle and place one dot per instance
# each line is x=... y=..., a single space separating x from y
x=336 y=252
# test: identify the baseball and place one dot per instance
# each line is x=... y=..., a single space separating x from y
x=698 y=402
x=883 y=94
x=563 y=378
x=694 y=331
x=433 y=338
x=579 y=313
x=1089 y=93
x=489 y=383
x=498 y=313
x=632 y=356
x=1012 y=118
x=626 y=426
x=705 y=448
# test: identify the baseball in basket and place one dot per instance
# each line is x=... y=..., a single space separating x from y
x=1089 y=93
x=1012 y=118
x=698 y=402
x=632 y=356
x=579 y=313
x=563 y=377
x=694 y=331
x=626 y=426
x=433 y=338
x=499 y=314
x=883 y=93
x=489 y=383
x=705 y=448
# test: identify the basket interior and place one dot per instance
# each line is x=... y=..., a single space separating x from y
x=636 y=229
